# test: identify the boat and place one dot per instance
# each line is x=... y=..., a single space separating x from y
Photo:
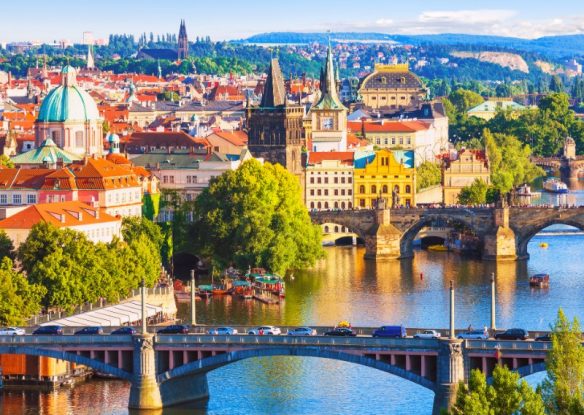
x=205 y=291
x=266 y=282
x=555 y=186
x=438 y=248
x=539 y=281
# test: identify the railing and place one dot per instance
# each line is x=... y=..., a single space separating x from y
x=53 y=341
x=515 y=345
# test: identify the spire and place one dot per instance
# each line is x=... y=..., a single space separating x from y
x=274 y=90
x=159 y=70
x=328 y=87
x=90 y=58
x=183 y=41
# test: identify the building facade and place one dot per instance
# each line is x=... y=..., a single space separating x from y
x=392 y=87
x=462 y=169
x=384 y=177
x=329 y=180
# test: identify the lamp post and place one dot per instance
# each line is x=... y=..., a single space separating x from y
x=193 y=308
x=493 y=310
x=143 y=295
x=452 y=334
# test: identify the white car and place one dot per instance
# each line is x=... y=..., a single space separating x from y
x=428 y=334
x=11 y=331
x=265 y=330
x=302 y=331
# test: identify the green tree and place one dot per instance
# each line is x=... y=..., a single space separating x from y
x=509 y=162
x=6 y=246
x=6 y=162
x=254 y=216
x=506 y=396
x=428 y=174
x=134 y=227
x=464 y=100
x=18 y=298
x=474 y=194
x=556 y=84
x=563 y=388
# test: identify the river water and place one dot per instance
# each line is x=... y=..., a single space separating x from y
x=346 y=287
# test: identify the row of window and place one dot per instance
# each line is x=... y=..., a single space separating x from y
x=326 y=172
x=17 y=199
x=325 y=192
x=190 y=179
x=100 y=233
x=326 y=205
x=384 y=189
x=325 y=180
x=394 y=141
x=362 y=203
x=124 y=197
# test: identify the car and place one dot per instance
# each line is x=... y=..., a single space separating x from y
x=90 y=330
x=390 y=331
x=428 y=334
x=544 y=338
x=124 y=330
x=174 y=329
x=341 y=331
x=473 y=335
x=302 y=331
x=512 y=334
x=222 y=331
x=265 y=330
x=49 y=330
x=11 y=331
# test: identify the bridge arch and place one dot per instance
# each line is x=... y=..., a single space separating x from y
x=210 y=363
x=70 y=357
x=526 y=236
x=407 y=239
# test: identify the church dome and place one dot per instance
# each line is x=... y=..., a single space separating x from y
x=113 y=138
x=68 y=102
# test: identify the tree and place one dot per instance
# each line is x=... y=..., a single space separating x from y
x=506 y=396
x=509 y=162
x=254 y=216
x=563 y=388
x=556 y=84
x=133 y=227
x=464 y=100
x=428 y=174
x=474 y=194
x=18 y=298
x=6 y=246
x=5 y=161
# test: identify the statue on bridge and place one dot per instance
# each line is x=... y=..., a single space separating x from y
x=395 y=197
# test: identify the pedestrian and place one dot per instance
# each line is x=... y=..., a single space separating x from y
x=470 y=327
x=486 y=331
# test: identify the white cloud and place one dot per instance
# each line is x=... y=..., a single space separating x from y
x=384 y=22
x=466 y=17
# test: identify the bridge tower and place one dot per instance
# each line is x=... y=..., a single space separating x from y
x=384 y=242
x=450 y=374
x=500 y=245
x=144 y=391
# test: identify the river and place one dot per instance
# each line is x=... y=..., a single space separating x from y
x=346 y=287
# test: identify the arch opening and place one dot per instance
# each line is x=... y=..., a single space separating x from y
x=541 y=234
x=335 y=234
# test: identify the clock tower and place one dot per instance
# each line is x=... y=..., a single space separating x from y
x=328 y=115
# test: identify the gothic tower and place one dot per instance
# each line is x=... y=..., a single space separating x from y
x=275 y=127
x=183 y=41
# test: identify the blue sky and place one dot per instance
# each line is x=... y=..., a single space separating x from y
x=48 y=20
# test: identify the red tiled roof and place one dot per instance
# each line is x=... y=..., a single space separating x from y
x=345 y=157
x=16 y=178
x=60 y=214
x=237 y=138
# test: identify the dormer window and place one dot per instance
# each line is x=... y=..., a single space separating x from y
x=383 y=80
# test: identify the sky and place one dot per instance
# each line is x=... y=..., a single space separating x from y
x=54 y=20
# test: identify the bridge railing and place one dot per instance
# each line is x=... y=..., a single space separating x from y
x=39 y=340
x=516 y=345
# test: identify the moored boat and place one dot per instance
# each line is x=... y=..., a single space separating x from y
x=539 y=281
x=554 y=185
x=438 y=248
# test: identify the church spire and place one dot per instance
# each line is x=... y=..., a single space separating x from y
x=90 y=58
x=328 y=85
x=183 y=41
x=274 y=94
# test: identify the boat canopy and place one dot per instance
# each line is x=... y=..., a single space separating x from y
x=205 y=287
x=115 y=315
x=241 y=284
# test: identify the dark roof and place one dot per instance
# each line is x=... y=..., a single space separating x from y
x=213 y=106
x=162 y=139
x=426 y=111
x=391 y=80
x=158 y=54
x=274 y=94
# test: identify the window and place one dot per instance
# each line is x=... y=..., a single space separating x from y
x=336 y=180
x=326 y=180
x=326 y=205
x=343 y=180
x=16 y=199
x=408 y=188
x=336 y=205
x=362 y=202
x=336 y=192
x=342 y=192
x=3 y=200
x=31 y=199
x=393 y=140
x=384 y=190
x=172 y=179
x=349 y=180
x=319 y=192
x=311 y=205
x=408 y=141
x=361 y=189
x=79 y=139
x=312 y=180
x=311 y=192
x=396 y=188
x=373 y=189
x=319 y=180
x=188 y=179
x=326 y=192
x=164 y=179
x=386 y=141
x=401 y=140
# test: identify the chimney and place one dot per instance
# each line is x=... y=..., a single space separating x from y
x=62 y=218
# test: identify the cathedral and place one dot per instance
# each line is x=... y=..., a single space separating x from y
x=69 y=116
x=275 y=127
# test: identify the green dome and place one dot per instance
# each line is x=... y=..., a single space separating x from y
x=68 y=102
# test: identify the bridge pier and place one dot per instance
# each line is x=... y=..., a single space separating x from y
x=385 y=242
x=144 y=391
x=184 y=389
x=450 y=373
x=500 y=245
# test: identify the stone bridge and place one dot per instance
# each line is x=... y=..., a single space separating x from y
x=570 y=168
x=503 y=232
x=171 y=369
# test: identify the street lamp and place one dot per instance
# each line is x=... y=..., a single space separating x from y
x=452 y=333
x=493 y=310
x=143 y=297
x=193 y=308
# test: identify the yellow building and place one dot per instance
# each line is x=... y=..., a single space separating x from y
x=384 y=176
x=461 y=171
x=392 y=87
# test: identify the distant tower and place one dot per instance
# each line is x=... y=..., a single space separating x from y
x=90 y=58
x=183 y=41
